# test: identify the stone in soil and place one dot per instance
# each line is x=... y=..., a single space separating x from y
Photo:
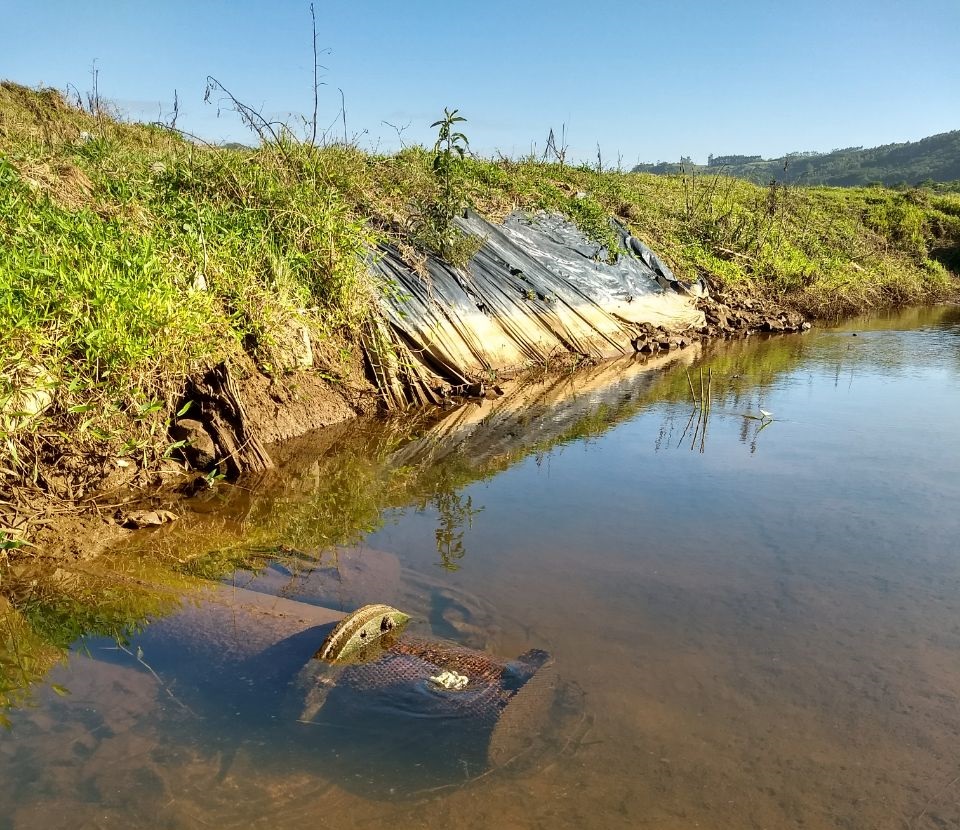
x=199 y=448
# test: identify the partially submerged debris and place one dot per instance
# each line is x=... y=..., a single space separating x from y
x=224 y=419
x=363 y=634
x=418 y=704
x=538 y=291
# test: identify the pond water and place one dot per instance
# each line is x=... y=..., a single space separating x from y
x=753 y=622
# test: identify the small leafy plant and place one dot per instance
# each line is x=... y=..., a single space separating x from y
x=448 y=152
x=435 y=224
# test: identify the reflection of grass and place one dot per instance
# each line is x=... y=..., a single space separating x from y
x=334 y=493
x=590 y=426
x=25 y=657
x=456 y=514
x=338 y=495
x=44 y=609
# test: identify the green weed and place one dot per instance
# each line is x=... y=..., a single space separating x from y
x=434 y=222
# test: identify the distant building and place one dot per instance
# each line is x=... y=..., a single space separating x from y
x=718 y=161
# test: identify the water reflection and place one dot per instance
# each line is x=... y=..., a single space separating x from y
x=333 y=487
x=761 y=622
x=455 y=514
x=47 y=608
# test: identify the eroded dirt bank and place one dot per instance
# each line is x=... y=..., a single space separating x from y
x=124 y=498
x=245 y=294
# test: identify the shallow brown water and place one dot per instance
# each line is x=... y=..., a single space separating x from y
x=755 y=628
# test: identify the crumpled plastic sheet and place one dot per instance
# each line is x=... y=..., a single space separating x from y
x=537 y=289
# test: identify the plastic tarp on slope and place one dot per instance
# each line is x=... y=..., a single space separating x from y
x=537 y=290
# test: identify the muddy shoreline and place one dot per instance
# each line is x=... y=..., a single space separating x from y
x=54 y=525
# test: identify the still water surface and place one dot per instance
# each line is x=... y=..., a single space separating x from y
x=754 y=624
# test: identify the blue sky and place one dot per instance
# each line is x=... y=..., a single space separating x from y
x=647 y=80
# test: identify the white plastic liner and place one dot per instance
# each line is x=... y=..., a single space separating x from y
x=537 y=291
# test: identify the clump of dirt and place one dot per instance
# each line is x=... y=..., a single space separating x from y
x=232 y=413
x=285 y=408
x=728 y=314
x=62 y=529
x=731 y=313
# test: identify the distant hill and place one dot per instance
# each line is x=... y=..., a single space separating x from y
x=935 y=159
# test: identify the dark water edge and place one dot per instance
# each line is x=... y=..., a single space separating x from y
x=756 y=621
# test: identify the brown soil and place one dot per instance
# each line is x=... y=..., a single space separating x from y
x=729 y=314
x=302 y=403
x=278 y=409
x=62 y=520
x=77 y=535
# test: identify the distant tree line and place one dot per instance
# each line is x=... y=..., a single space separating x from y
x=720 y=161
x=929 y=160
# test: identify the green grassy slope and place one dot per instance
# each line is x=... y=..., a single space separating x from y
x=131 y=257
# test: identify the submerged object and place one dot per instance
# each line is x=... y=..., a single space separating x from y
x=418 y=714
x=374 y=723
x=363 y=634
x=365 y=651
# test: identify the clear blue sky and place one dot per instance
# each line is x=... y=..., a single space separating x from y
x=647 y=80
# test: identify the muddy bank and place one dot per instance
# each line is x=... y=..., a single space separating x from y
x=273 y=414
x=239 y=428
x=538 y=295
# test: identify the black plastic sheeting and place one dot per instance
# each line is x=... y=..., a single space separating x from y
x=537 y=290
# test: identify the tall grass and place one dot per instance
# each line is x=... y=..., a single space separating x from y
x=129 y=258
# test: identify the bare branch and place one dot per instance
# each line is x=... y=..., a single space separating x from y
x=72 y=90
x=316 y=83
x=266 y=130
x=399 y=131
x=559 y=153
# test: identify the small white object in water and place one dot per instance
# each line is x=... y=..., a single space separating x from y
x=450 y=680
x=766 y=414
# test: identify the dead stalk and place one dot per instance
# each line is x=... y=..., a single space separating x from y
x=693 y=395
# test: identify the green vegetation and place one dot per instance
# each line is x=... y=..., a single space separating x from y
x=935 y=159
x=45 y=609
x=434 y=225
x=131 y=257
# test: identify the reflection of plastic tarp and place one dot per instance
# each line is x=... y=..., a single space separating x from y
x=532 y=415
x=538 y=289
